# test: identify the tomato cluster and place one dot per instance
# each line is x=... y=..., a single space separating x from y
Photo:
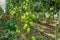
x=22 y=17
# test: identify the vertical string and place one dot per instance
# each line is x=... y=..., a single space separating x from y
x=56 y=28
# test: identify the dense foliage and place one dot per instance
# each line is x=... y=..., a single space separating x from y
x=22 y=17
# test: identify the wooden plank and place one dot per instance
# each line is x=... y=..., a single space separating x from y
x=43 y=29
x=50 y=24
x=48 y=34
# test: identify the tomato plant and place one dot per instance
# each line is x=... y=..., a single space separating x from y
x=22 y=17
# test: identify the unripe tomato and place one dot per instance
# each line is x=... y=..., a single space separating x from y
x=12 y=12
x=16 y=26
x=25 y=26
x=33 y=17
x=27 y=13
x=31 y=24
x=30 y=19
x=24 y=2
x=12 y=32
x=52 y=8
x=22 y=17
x=11 y=5
x=28 y=30
x=18 y=32
x=26 y=21
x=27 y=0
x=20 y=10
x=33 y=38
x=6 y=36
x=24 y=6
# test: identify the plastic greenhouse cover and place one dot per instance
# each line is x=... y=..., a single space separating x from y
x=2 y=4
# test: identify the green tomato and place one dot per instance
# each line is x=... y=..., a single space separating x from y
x=12 y=12
x=28 y=30
x=27 y=13
x=31 y=24
x=27 y=18
x=27 y=0
x=11 y=5
x=26 y=7
x=25 y=26
x=6 y=36
x=52 y=8
x=12 y=32
x=22 y=17
x=33 y=17
x=33 y=38
x=18 y=32
x=24 y=2
x=30 y=19
x=16 y=26
x=26 y=21
x=20 y=10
